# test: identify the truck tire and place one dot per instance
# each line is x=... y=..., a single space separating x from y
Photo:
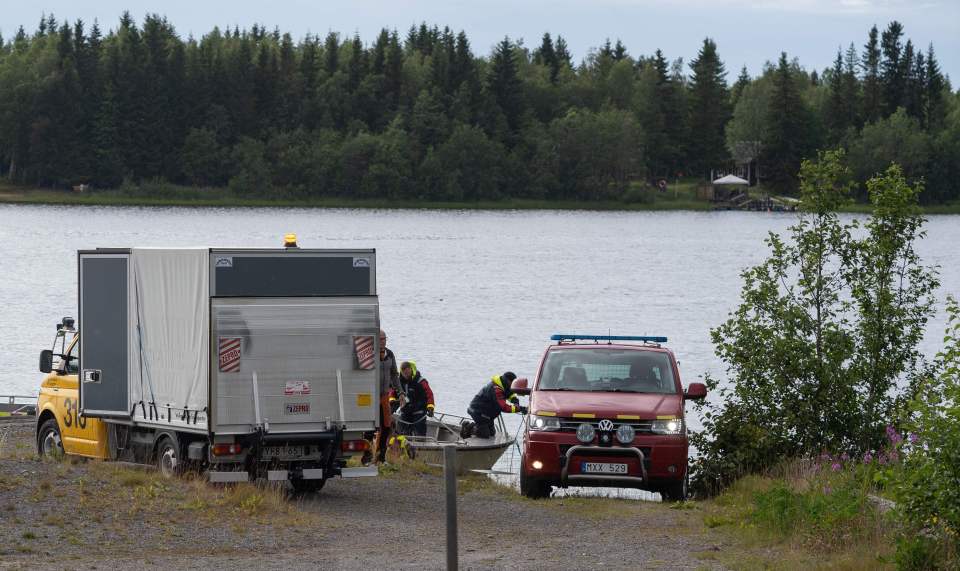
x=169 y=462
x=676 y=491
x=49 y=442
x=301 y=486
x=533 y=488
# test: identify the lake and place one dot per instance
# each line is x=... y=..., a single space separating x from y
x=466 y=294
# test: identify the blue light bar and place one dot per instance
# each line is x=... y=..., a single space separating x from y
x=579 y=337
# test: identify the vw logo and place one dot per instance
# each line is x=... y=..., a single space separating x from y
x=606 y=425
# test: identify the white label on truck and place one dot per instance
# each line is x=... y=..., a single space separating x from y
x=223 y=262
x=296 y=388
x=296 y=408
x=361 y=262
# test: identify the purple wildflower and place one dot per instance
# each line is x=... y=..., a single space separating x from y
x=914 y=438
x=826 y=457
x=894 y=456
x=836 y=466
x=867 y=458
x=844 y=457
x=897 y=438
x=827 y=490
x=883 y=459
x=891 y=431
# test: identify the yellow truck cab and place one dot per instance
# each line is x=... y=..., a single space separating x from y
x=61 y=428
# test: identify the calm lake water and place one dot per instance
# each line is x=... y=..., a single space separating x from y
x=466 y=294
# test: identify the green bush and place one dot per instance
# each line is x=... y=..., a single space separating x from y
x=929 y=491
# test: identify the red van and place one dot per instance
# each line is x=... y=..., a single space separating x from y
x=606 y=411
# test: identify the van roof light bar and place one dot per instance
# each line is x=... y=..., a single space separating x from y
x=609 y=338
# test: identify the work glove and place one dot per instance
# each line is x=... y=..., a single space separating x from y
x=430 y=412
x=522 y=409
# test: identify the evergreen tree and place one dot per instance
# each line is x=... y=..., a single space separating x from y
x=709 y=110
x=892 y=76
x=743 y=80
x=788 y=123
x=504 y=83
x=872 y=86
x=934 y=105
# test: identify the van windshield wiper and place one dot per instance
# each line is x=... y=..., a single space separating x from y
x=559 y=389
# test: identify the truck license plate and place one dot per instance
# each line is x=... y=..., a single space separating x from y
x=283 y=451
x=602 y=468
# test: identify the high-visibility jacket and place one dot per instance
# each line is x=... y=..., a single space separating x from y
x=495 y=397
x=417 y=393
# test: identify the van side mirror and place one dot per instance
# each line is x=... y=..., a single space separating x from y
x=46 y=361
x=696 y=391
x=520 y=386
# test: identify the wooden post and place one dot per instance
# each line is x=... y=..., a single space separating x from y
x=450 y=488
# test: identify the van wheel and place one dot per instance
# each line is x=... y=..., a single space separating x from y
x=49 y=443
x=676 y=491
x=533 y=488
x=168 y=458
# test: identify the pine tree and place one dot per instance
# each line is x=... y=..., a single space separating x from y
x=563 y=54
x=935 y=106
x=504 y=83
x=789 y=123
x=842 y=109
x=743 y=80
x=892 y=76
x=331 y=54
x=619 y=51
x=709 y=110
x=546 y=55
x=872 y=86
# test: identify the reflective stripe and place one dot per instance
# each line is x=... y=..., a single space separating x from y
x=513 y=408
x=584 y=415
x=628 y=417
x=548 y=413
x=667 y=417
x=430 y=407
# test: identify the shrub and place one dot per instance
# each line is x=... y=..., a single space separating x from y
x=930 y=488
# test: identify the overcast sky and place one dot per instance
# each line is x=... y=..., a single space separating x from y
x=747 y=32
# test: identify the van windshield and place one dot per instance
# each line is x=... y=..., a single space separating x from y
x=634 y=371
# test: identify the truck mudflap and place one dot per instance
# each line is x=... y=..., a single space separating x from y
x=573 y=479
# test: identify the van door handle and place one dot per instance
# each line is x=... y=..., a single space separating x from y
x=91 y=375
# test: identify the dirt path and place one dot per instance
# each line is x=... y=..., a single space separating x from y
x=94 y=515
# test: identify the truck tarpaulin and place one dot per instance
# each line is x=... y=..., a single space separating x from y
x=170 y=314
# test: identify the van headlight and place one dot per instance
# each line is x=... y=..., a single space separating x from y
x=667 y=426
x=625 y=434
x=585 y=433
x=545 y=423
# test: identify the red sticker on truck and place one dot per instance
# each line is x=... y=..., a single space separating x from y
x=296 y=388
x=230 y=354
x=363 y=347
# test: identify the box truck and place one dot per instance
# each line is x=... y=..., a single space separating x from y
x=246 y=363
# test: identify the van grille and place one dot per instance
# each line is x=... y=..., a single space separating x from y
x=571 y=424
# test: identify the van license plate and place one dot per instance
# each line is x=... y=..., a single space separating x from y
x=602 y=468
x=283 y=451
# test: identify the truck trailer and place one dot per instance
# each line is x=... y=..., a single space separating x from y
x=245 y=363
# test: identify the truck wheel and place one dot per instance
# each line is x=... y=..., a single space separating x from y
x=168 y=458
x=49 y=443
x=676 y=491
x=301 y=486
x=533 y=488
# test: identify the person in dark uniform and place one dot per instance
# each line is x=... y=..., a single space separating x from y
x=418 y=400
x=494 y=398
x=388 y=382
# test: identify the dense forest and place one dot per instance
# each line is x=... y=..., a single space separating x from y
x=420 y=116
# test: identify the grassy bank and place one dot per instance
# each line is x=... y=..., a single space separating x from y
x=682 y=196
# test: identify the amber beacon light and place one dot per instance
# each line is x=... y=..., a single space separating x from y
x=290 y=241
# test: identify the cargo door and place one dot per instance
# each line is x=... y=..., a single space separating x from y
x=290 y=365
x=103 y=305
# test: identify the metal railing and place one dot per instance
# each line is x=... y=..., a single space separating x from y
x=12 y=399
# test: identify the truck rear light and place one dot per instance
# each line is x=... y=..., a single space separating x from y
x=227 y=449
x=354 y=445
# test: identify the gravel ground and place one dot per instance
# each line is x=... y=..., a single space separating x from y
x=97 y=515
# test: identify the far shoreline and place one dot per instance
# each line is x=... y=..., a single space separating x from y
x=221 y=199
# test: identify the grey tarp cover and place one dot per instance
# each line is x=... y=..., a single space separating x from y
x=169 y=334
